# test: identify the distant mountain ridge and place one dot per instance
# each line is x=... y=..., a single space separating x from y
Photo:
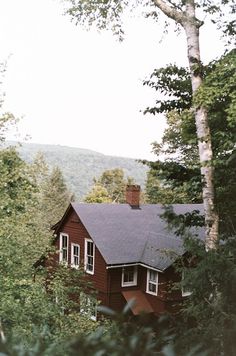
x=80 y=165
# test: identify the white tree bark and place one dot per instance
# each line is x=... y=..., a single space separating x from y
x=187 y=19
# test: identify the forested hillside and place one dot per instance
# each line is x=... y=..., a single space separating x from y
x=80 y=166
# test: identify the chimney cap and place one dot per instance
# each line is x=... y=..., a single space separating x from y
x=133 y=187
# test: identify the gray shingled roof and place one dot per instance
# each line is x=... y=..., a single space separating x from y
x=124 y=235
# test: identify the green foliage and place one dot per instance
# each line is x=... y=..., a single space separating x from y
x=98 y=194
x=15 y=186
x=207 y=320
x=180 y=170
x=120 y=336
x=175 y=84
x=29 y=310
x=208 y=316
x=124 y=337
x=33 y=310
x=108 y=14
x=158 y=190
x=109 y=188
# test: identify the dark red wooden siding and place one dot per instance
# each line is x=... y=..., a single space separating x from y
x=165 y=300
x=77 y=234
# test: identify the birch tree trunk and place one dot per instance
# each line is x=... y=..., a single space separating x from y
x=187 y=19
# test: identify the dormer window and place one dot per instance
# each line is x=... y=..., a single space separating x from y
x=89 y=256
x=64 y=242
x=129 y=276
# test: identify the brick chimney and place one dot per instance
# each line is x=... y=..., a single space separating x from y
x=133 y=195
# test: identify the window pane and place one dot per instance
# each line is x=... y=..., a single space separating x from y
x=153 y=276
x=89 y=258
x=64 y=241
x=64 y=255
x=90 y=248
x=152 y=287
x=152 y=282
x=128 y=275
x=90 y=263
x=76 y=251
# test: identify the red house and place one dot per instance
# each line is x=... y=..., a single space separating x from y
x=126 y=250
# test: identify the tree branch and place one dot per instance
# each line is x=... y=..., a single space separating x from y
x=170 y=11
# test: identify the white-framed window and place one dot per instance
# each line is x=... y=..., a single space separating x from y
x=89 y=256
x=152 y=282
x=88 y=306
x=64 y=243
x=185 y=291
x=129 y=276
x=75 y=255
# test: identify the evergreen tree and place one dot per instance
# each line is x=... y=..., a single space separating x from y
x=54 y=197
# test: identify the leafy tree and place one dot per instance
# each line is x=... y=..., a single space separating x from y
x=208 y=317
x=158 y=191
x=108 y=15
x=98 y=194
x=180 y=169
x=27 y=308
x=20 y=242
x=109 y=187
x=120 y=336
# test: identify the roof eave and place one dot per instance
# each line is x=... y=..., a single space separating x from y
x=119 y=265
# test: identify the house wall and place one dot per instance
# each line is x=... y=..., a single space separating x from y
x=77 y=234
x=165 y=301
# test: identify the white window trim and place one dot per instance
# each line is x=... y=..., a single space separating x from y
x=87 y=312
x=134 y=282
x=86 y=257
x=148 y=280
x=72 y=255
x=61 y=252
x=184 y=293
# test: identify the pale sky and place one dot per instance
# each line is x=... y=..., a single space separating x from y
x=84 y=89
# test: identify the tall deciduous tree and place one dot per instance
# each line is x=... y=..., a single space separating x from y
x=109 y=187
x=180 y=169
x=98 y=194
x=183 y=13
